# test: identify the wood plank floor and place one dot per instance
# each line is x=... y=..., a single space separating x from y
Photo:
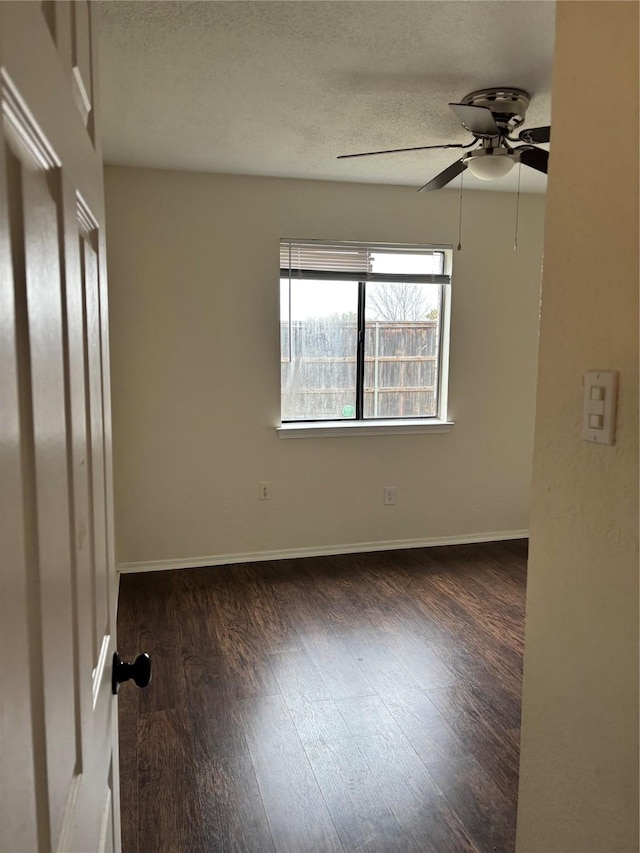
x=364 y=702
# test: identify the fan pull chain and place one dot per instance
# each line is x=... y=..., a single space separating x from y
x=515 y=237
x=460 y=219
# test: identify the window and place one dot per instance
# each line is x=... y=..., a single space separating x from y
x=363 y=331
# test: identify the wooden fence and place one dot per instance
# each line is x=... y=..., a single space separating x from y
x=318 y=369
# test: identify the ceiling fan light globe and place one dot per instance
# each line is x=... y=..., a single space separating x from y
x=490 y=167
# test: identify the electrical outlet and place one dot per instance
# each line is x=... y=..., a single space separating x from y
x=264 y=492
x=389 y=495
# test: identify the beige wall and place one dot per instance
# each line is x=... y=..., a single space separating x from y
x=193 y=263
x=579 y=768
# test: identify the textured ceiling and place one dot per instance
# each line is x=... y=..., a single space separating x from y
x=281 y=88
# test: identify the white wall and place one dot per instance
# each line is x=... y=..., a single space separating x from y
x=195 y=349
x=579 y=767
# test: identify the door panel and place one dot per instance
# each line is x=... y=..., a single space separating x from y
x=93 y=369
x=81 y=47
x=57 y=14
x=57 y=714
x=18 y=817
x=52 y=509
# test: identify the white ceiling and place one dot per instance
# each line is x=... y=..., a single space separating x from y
x=281 y=88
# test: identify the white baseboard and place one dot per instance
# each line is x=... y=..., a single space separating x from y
x=319 y=551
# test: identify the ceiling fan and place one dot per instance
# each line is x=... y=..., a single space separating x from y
x=491 y=116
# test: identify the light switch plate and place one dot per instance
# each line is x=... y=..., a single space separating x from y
x=601 y=402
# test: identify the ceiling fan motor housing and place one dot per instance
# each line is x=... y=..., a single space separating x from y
x=508 y=105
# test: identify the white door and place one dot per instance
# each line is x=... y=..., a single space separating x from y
x=59 y=771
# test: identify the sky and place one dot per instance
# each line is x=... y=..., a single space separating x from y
x=323 y=298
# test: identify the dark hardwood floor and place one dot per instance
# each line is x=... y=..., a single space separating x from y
x=364 y=702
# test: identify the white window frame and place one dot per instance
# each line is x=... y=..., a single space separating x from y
x=348 y=427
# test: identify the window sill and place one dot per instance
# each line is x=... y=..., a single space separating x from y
x=339 y=429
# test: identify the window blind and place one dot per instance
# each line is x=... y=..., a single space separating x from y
x=349 y=262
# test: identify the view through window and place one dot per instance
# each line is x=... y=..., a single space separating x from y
x=361 y=330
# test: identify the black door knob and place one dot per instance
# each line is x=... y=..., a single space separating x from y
x=139 y=670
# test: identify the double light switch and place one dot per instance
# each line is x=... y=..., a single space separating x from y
x=599 y=406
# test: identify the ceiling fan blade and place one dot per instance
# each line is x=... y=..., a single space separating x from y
x=478 y=120
x=400 y=150
x=537 y=158
x=443 y=178
x=535 y=134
